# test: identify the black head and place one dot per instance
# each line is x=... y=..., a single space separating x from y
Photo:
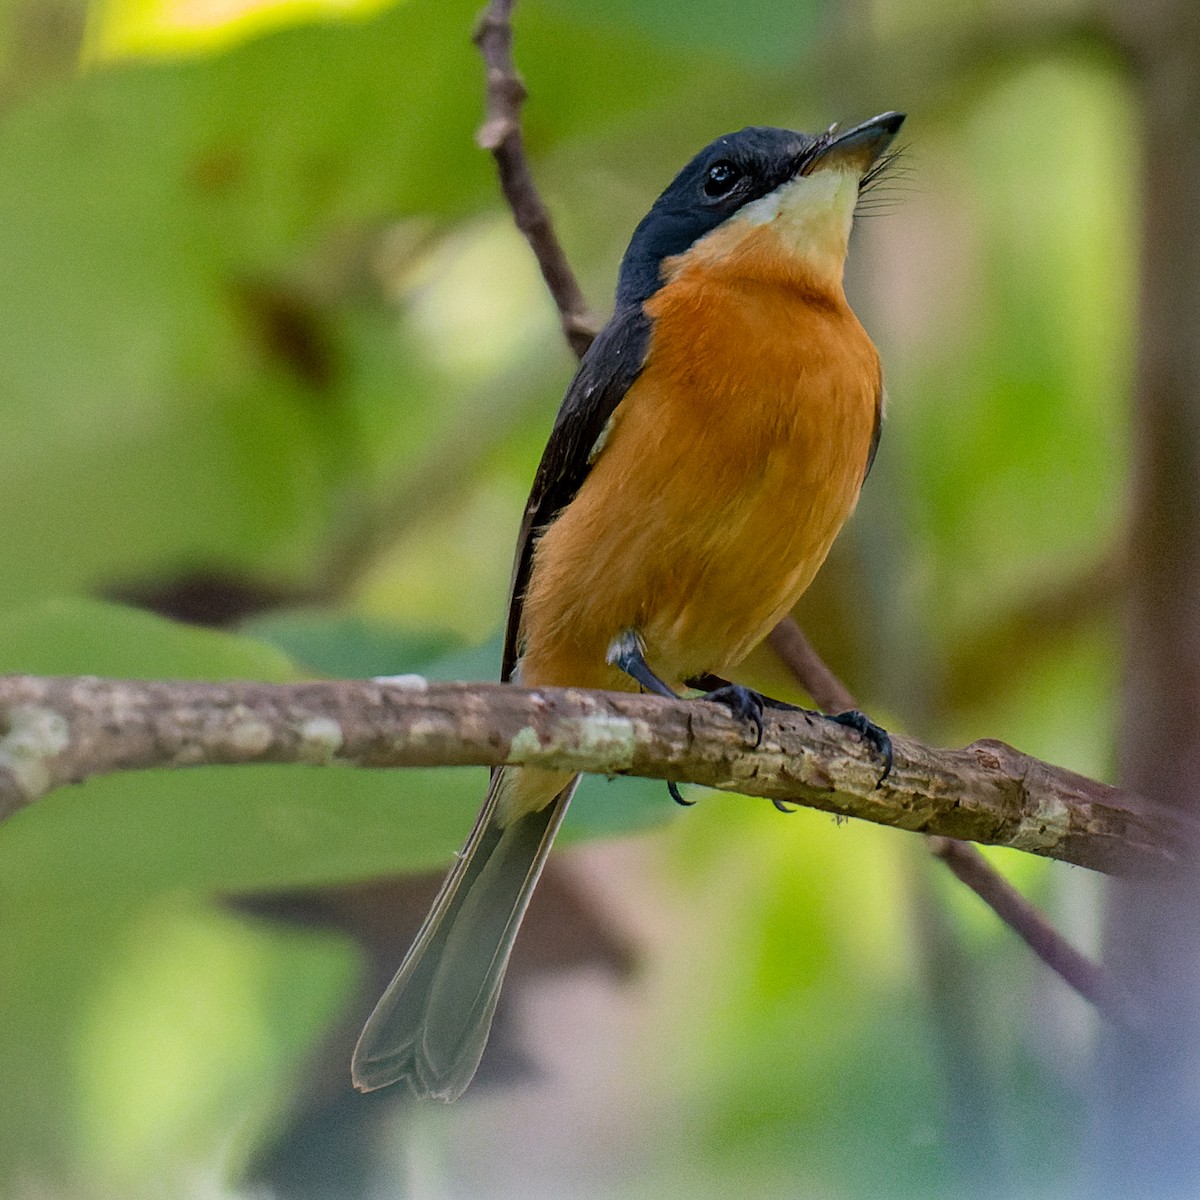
x=726 y=175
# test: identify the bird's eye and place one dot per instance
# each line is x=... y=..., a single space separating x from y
x=721 y=178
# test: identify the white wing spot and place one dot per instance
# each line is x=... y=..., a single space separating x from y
x=602 y=440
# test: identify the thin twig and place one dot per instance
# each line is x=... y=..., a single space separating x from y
x=55 y=731
x=501 y=134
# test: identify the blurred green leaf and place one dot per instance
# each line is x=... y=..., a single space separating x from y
x=1013 y=435
x=348 y=645
x=175 y=237
x=779 y=30
x=77 y=636
x=173 y=1058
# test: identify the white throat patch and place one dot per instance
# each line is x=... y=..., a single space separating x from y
x=812 y=213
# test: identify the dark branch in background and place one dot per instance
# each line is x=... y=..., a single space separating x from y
x=1076 y=969
x=55 y=731
x=797 y=653
x=501 y=134
x=991 y=660
x=967 y=864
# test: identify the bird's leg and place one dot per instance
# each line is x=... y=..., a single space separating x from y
x=677 y=795
x=874 y=735
x=627 y=652
x=742 y=702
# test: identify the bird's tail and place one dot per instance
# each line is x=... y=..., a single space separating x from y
x=432 y=1023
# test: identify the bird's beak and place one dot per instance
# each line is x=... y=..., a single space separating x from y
x=856 y=149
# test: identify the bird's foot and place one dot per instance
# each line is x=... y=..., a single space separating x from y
x=742 y=702
x=874 y=735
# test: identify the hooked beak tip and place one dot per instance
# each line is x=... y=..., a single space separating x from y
x=857 y=148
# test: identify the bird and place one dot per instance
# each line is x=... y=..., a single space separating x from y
x=707 y=452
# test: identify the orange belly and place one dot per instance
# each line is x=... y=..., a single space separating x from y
x=731 y=465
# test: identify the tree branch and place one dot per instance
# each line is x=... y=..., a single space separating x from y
x=501 y=135
x=55 y=731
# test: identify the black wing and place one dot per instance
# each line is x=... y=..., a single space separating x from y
x=613 y=361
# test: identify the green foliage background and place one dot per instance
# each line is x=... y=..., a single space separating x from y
x=264 y=319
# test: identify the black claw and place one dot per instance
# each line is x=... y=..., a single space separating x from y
x=742 y=702
x=871 y=733
x=673 y=788
x=784 y=807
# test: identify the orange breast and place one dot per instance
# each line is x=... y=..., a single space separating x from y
x=730 y=467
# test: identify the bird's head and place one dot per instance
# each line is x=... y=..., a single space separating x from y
x=795 y=189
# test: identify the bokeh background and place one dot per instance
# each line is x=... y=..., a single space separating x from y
x=275 y=371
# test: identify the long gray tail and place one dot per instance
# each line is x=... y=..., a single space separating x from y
x=432 y=1023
